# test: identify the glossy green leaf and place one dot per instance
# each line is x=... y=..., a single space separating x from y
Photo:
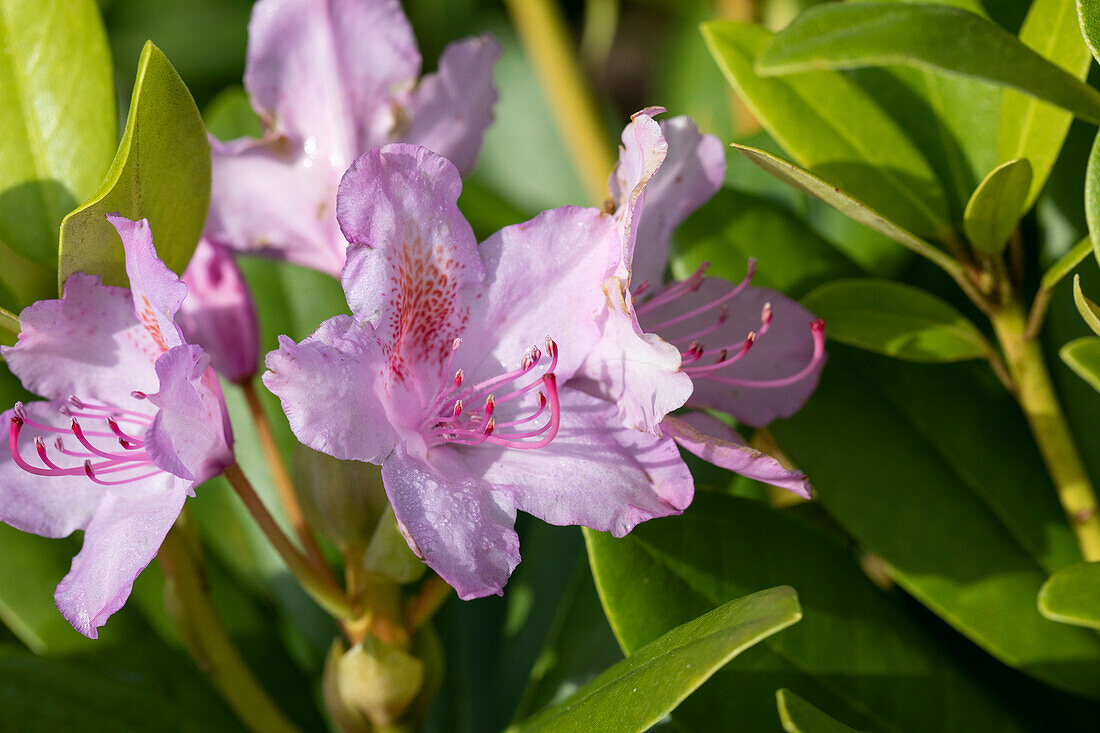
x=1092 y=196
x=640 y=690
x=996 y=206
x=857 y=652
x=57 y=111
x=964 y=517
x=1088 y=310
x=831 y=126
x=843 y=202
x=1088 y=15
x=799 y=716
x=1083 y=357
x=1031 y=128
x=849 y=36
x=1072 y=595
x=161 y=172
x=897 y=320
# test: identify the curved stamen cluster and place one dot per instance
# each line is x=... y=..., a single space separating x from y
x=701 y=362
x=452 y=422
x=132 y=463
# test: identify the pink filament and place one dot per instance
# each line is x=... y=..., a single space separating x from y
x=730 y=295
x=818 y=330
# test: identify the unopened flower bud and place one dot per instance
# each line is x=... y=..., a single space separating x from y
x=371 y=684
x=218 y=313
x=341 y=499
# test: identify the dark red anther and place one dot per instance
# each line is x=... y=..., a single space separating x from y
x=137 y=395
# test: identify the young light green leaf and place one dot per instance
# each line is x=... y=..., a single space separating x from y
x=57 y=111
x=996 y=206
x=1072 y=595
x=848 y=36
x=1082 y=355
x=897 y=320
x=831 y=126
x=161 y=172
x=799 y=716
x=1088 y=14
x=1088 y=310
x=1065 y=264
x=640 y=690
x=1031 y=128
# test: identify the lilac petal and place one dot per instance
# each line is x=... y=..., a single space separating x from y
x=596 y=472
x=89 y=343
x=690 y=175
x=219 y=313
x=544 y=278
x=121 y=539
x=329 y=386
x=50 y=506
x=643 y=153
x=450 y=109
x=269 y=198
x=325 y=71
x=456 y=522
x=190 y=436
x=157 y=291
x=783 y=351
x=717 y=443
x=413 y=267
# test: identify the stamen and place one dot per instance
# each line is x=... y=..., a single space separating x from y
x=79 y=433
x=722 y=360
x=729 y=295
x=818 y=329
x=689 y=285
x=551 y=383
x=126 y=440
x=723 y=316
x=139 y=395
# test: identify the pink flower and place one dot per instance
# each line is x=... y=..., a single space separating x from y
x=454 y=373
x=134 y=418
x=330 y=80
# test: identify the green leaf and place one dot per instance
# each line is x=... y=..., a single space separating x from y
x=799 y=716
x=1088 y=310
x=831 y=126
x=897 y=320
x=996 y=206
x=1030 y=128
x=965 y=518
x=845 y=203
x=1065 y=264
x=1072 y=595
x=57 y=111
x=858 y=652
x=161 y=172
x=640 y=690
x=1092 y=196
x=833 y=36
x=1088 y=13
x=1083 y=357
x=230 y=116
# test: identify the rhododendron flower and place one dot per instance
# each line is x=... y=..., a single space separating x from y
x=219 y=314
x=453 y=372
x=751 y=352
x=133 y=419
x=331 y=79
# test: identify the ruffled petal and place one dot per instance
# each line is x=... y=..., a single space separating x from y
x=456 y=522
x=717 y=443
x=121 y=538
x=413 y=267
x=329 y=386
x=783 y=351
x=596 y=472
x=692 y=172
x=190 y=436
x=643 y=152
x=157 y=291
x=324 y=71
x=89 y=343
x=272 y=199
x=450 y=109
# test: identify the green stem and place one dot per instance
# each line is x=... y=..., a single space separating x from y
x=546 y=42
x=1037 y=399
x=323 y=589
x=189 y=606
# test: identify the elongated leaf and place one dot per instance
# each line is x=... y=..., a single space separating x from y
x=640 y=690
x=857 y=652
x=830 y=125
x=1088 y=14
x=1072 y=595
x=895 y=319
x=161 y=172
x=1066 y=263
x=799 y=716
x=1030 y=128
x=965 y=517
x=996 y=206
x=1088 y=310
x=1083 y=357
x=1092 y=196
x=835 y=36
x=57 y=111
